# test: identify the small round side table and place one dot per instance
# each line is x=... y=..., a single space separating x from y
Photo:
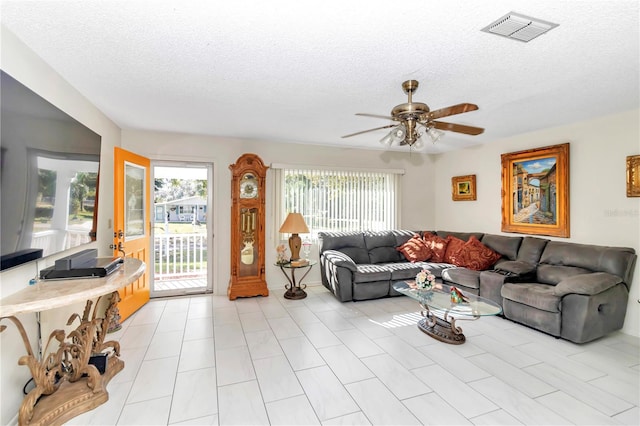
x=295 y=289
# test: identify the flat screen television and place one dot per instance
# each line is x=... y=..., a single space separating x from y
x=49 y=168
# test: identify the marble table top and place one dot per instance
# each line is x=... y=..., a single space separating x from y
x=50 y=294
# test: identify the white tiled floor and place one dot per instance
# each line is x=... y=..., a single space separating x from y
x=204 y=360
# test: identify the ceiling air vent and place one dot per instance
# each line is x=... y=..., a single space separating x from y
x=519 y=27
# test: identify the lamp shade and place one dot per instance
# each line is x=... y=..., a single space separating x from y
x=294 y=224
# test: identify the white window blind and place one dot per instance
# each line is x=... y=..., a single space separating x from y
x=338 y=200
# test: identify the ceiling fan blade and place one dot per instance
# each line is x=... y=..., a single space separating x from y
x=452 y=110
x=460 y=128
x=370 y=130
x=375 y=116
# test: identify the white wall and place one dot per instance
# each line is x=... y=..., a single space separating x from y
x=22 y=64
x=600 y=211
x=417 y=211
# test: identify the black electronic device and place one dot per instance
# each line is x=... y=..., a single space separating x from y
x=19 y=257
x=82 y=265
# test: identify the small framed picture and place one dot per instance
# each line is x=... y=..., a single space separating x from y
x=633 y=176
x=463 y=188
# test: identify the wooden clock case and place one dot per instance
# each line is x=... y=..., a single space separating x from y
x=248 y=177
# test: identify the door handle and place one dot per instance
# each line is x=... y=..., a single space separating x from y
x=118 y=247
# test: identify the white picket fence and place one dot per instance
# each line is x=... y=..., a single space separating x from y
x=180 y=255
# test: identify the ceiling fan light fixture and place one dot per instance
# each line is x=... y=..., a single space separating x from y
x=418 y=144
x=411 y=120
x=387 y=140
x=434 y=134
x=398 y=133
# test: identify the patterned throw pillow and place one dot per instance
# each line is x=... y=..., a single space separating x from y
x=438 y=246
x=475 y=255
x=415 y=250
x=454 y=245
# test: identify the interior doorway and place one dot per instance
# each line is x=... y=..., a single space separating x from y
x=182 y=228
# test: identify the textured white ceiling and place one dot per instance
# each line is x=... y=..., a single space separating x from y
x=297 y=71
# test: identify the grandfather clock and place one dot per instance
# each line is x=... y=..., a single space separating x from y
x=248 y=176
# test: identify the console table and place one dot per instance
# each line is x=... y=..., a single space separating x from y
x=66 y=383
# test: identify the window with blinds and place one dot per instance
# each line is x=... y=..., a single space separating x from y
x=339 y=200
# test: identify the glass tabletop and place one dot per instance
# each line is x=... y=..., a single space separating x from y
x=440 y=299
x=290 y=266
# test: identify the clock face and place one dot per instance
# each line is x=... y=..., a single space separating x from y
x=248 y=186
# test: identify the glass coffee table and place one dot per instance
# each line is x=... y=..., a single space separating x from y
x=440 y=313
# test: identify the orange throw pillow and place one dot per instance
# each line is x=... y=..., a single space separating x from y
x=455 y=244
x=415 y=250
x=438 y=246
x=475 y=255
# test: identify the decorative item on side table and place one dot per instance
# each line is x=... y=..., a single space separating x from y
x=281 y=256
x=294 y=224
x=306 y=248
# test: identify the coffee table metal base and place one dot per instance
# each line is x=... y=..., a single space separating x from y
x=442 y=330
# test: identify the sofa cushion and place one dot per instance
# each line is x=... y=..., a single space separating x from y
x=531 y=249
x=614 y=260
x=587 y=284
x=462 y=276
x=415 y=250
x=553 y=274
x=403 y=235
x=464 y=236
x=370 y=273
x=454 y=245
x=539 y=296
x=438 y=246
x=350 y=243
x=407 y=271
x=381 y=246
x=506 y=246
x=475 y=255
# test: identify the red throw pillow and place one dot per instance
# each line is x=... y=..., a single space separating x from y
x=438 y=246
x=475 y=255
x=455 y=244
x=415 y=250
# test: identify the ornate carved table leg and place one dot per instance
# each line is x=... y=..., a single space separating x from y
x=442 y=329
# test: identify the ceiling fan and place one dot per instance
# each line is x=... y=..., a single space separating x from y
x=413 y=119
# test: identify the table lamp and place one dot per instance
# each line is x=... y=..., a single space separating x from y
x=294 y=225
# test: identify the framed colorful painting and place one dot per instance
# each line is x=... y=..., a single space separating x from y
x=535 y=191
x=463 y=188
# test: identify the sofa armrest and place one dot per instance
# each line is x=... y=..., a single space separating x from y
x=338 y=258
x=515 y=268
x=587 y=284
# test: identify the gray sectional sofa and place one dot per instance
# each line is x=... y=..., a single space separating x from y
x=578 y=292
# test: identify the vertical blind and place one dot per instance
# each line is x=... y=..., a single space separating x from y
x=339 y=200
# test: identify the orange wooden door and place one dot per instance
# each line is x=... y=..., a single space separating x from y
x=132 y=223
